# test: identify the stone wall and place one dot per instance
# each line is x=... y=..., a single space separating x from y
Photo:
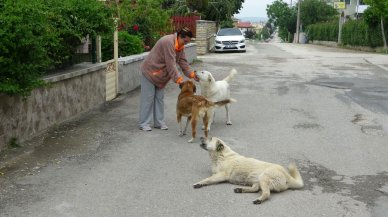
x=205 y=39
x=68 y=95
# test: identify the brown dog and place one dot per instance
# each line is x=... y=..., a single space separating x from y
x=194 y=107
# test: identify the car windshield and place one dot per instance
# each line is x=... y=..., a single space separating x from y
x=225 y=32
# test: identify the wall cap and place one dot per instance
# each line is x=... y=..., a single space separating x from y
x=74 y=71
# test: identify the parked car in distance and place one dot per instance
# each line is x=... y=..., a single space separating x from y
x=230 y=39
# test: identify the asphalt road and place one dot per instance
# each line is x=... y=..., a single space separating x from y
x=324 y=108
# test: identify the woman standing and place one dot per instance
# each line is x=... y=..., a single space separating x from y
x=158 y=68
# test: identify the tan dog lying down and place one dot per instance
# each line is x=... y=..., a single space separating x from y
x=194 y=107
x=228 y=166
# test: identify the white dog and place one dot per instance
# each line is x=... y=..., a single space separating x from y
x=215 y=91
x=228 y=166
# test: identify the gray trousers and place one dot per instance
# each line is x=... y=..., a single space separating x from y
x=151 y=104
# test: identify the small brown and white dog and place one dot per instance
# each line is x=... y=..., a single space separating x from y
x=229 y=166
x=215 y=91
x=194 y=107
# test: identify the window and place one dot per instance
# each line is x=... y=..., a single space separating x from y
x=346 y=1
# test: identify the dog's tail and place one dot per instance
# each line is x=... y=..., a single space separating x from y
x=224 y=102
x=296 y=180
x=230 y=76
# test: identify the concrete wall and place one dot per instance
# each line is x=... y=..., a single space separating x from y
x=335 y=44
x=68 y=95
x=129 y=68
x=205 y=39
x=129 y=72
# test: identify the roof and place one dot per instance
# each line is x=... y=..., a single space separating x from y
x=244 y=25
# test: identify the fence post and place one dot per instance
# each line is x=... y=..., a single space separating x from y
x=94 y=56
x=98 y=48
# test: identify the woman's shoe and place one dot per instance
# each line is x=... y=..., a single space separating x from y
x=145 y=128
x=163 y=127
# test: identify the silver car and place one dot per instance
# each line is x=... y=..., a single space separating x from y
x=230 y=39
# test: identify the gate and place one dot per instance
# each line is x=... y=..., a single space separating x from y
x=180 y=21
x=111 y=82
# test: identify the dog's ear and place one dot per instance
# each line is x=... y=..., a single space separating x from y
x=219 y=146
x=209 y=78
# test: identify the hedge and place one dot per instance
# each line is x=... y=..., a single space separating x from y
x=354 y=33
x=323 y=31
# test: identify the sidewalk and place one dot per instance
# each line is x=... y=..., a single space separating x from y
x=84 y=133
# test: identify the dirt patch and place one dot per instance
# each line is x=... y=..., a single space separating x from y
x=365 y=189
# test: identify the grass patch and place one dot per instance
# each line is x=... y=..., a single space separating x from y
x=197 y=61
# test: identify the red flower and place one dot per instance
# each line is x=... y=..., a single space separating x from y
x=136 y=28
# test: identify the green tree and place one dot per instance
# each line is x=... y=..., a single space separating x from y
x=222 y=10
x=264 y=33
x=316 y=11
x=73 y=21
x=377 y=8
x=226 y=24
x=151 y=19
x=197 y=5
x=215 y=10
x=283 y=17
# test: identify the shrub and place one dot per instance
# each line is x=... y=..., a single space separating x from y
x=250 y=34
x=128 y=45
x=25 y=36
x=40 y=36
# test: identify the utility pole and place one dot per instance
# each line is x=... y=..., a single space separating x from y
x=341 y=7
x=340 y=27
x=358 y=4
x=116 y=45
x=298 y=24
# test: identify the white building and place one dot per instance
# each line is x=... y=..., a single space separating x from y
x=353 y=8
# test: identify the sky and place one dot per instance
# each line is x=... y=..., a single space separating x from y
x=254 y=8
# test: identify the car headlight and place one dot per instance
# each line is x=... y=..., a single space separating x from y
x=242 y=41
x=218 y=42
